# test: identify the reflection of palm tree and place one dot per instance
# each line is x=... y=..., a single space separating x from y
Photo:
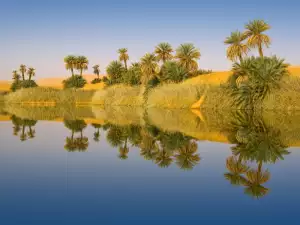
x=31 y=133
x=23 y=136
x=97 y=132
x=148 y=146
x=123 y=151
x=255 y=179
x=186 y=157
x=81 y=143
x=114 y=136
x=164 y=159
x=236 y=168
x=70 y=144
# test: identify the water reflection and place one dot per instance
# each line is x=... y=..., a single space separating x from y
x=255 y=142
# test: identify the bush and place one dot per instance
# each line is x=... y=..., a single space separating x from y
x=18 y=84
x=115 y=71
x=172 y=71
x=200 y=72
x=76 y=81
x=96 y=81
x=133 y=75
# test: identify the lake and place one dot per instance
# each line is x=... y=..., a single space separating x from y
x=135 y=166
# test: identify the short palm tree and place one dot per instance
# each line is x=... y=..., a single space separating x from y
x=96 y=69
x=254 y=181
x=30 y=72
x=236 y=169
x=123 y=56
x=149 y=67
x=82 y=64
x=163 y=158
x=256 y=37
x=70 y=63
x=187 y=56
x=23 y=70
x=237 y=48
x=163 y=52
x=187 y=157
x=16 y=75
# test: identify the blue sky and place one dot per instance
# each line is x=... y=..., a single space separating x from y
x=40 y=33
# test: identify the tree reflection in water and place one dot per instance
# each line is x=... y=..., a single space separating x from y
x=254 y=142
x=80 y=143
x=20 y=125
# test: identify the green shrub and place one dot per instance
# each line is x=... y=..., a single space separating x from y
x=18 y=84
x=96 y=81
x=173 y=72
x=115 y=71
x=75 y=81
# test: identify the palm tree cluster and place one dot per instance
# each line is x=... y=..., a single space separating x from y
x=73 y=143
x=20 y=125
x=79 y=63
x=163 y=148
x=163 y=65
x=19 y=78
x=240 y=43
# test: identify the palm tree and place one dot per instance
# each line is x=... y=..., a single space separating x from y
x=236 y=168
x=256 y=37
x=149 y=67
x=186 y=157
x=16 y=75
x=23 y=70
x=254 y=181
x=82 y=64
x=188 y=55
x=237 y=48
x=70 y=63
x=163 y=52
x=30 y=72
x=97 y=70
x=115 y=71
x=123 y=56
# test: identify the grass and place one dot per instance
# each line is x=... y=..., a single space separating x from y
x=119 y=95
x=49 y=96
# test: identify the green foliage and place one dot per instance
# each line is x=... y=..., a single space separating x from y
x=18 y=84
x=259 y=76
x=163 y=52
x=96 y=81
x=173 y=72
x=76 y=81
x=133 y=75
x=115 y=71
x=187 y=55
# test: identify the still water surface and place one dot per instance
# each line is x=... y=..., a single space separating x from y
x=83 y=171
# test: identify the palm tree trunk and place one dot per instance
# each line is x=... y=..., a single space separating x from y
x=260 y=51
x=98 y=76
x=72 y=136
x=23 y=76
x=81 y=135
x=240 y=57
x=125 y=62
x=29 y=77
x=72 y=71
x=81 y=71
x=23 y=130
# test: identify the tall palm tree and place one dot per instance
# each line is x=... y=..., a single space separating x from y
x=255 y=179
x=163 y=52
x=23 y=70
x=237 y=48
x=149 y=67
x=187 y=56
x=123 y=56
x=186 y=157
x=16 y=75
x=256 y=37
x=236 y=169
x=30 y=72
x=70 y=63
x=82 y=64
x=97 y=70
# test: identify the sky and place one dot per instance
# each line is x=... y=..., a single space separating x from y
x=41 y=33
